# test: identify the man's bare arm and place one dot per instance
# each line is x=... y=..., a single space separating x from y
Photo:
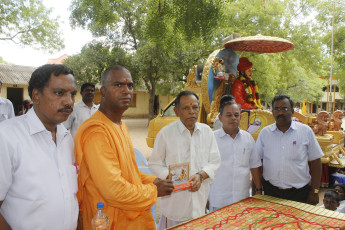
x=313 y=198
x=3 y=224
x=256 y=175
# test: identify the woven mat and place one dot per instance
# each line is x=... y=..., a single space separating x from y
x=266 y=212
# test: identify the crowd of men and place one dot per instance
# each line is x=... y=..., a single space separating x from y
x=46 y=178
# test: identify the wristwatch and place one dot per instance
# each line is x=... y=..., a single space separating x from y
x=201 y=176
x=316 y=191
x=258 y=189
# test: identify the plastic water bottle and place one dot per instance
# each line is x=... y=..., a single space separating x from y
x=100 y=221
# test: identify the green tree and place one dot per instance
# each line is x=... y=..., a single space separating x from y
x=93 y=59
x=295 y=72
x=29 y=23
x=165 y=38
x=158 y=35
x=325 y=9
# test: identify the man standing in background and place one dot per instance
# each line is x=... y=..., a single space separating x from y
x=6 y=108
x=83 y=109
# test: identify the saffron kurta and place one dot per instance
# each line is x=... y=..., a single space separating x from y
x=108 y=173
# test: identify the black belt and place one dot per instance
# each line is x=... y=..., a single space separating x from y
x=282 y=189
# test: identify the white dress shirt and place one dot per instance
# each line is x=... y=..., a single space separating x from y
x=238 y=156
x=285 y=155
x=38 y=181
x=6 y=109
x=217 y=124
x=341 y=207
x=174 y=144
x=81 y=112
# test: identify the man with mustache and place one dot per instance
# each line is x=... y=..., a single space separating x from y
x=185 y=141
x=238 y=159
x=38 y=178
x=83 y=109
x=107 y=168
x=285 y=148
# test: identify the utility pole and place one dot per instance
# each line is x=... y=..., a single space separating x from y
x=330 y=107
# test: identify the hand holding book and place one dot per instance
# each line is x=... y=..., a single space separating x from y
x=164 y=187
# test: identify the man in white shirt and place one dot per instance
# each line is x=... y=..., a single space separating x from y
x=38 y=179
x=83 y=109
x=6 y=108
x=285 y=148
x=185 y=141
x=238 y=158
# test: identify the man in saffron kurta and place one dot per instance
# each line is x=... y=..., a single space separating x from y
x=107 y=168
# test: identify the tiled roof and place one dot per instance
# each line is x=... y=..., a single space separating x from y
x=58 y=60
x=15 y=74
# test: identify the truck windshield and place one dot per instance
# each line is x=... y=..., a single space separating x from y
x=169 y=112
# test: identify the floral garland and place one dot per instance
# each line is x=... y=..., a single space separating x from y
x=255 y=102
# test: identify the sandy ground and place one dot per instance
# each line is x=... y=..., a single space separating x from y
x=138 y=132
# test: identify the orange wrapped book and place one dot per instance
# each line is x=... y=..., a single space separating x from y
x=179 y=174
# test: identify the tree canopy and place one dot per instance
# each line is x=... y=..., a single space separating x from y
x=29 y=23
x=163 y=39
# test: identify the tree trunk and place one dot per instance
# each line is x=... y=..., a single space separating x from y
x=151 y=102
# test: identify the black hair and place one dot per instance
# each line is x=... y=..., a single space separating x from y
x=105 y=74
x=332 y=194
x=184 y=93
x=40 y=77
x=86 y=84
x=227 y=100
x=342 y=186
x=282 y=97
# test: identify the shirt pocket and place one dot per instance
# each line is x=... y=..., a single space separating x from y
x=73 y=178
x=297 y=151
x=241 y=156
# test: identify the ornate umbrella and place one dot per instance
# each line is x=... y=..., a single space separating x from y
x=260 y=44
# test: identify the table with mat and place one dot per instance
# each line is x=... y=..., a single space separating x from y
x=266 y=212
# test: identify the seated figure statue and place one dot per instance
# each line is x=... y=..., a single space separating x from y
x=244 y=88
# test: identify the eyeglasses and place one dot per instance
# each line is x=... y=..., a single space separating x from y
x=284 y=109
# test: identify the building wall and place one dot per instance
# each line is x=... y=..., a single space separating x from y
x=140 y=105
x=139 y=108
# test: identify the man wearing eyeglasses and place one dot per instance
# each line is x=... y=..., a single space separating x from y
x=285 y=148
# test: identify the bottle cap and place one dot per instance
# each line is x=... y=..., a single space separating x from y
x=100 y=205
